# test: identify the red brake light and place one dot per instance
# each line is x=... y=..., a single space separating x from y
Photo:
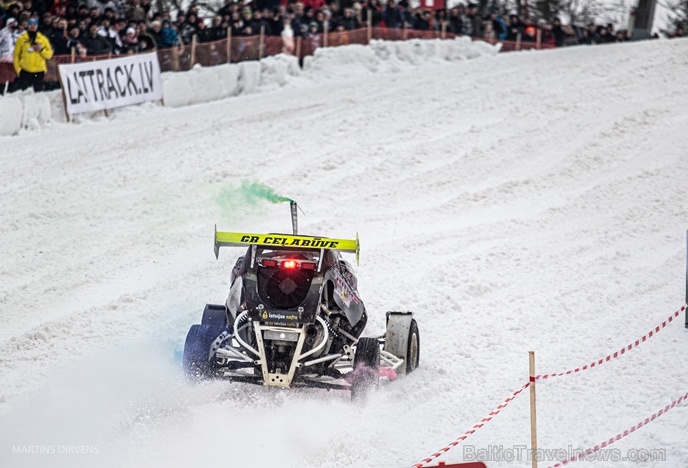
x=308 y=266
x=269 y=263
x=289 y=264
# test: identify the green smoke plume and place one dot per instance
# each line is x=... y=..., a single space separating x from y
x=254 y=192
x=233 y=200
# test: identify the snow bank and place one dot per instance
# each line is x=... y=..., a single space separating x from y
x=30 y=111
x=393 y=56
x=249 y=77
x=200 y=85
x=275 y=70
x=10 y=115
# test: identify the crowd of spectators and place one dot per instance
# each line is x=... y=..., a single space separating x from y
x=97 y=27
x=115 y=27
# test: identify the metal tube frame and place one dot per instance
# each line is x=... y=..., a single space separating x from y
x=388 y=359
x=237 y=335
x=279 y=379
x=329 y=357
x=228 y=353
x=342 y=361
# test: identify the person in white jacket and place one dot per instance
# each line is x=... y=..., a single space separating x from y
x=287 y=37
x=8 y=37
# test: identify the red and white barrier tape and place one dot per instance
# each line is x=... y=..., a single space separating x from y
x=621 y=352
x=465 y=435
x=620 y=436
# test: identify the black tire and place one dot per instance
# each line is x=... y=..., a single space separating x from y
x=366 y=373
x=413 y=351
x=196 y=363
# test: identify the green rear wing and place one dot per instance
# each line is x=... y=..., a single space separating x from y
x=242 y=239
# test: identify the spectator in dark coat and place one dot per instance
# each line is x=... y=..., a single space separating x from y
x=188 y=29
x=258 y=23
x=321 y=20
x=135 y=11
x=514 y=28
x=422 y=21
x=179 y=24
x=45 y=25
x=107 y=31
x=203 y=33
x=476 y=20
x=146 y=42
x=218 y=30
x=82 y=12
x=28 y=7
x=455 y=22
x=348 y=20
x=13 y=11
x=373 y=9
x=155 y=32
x=60 y=39
x=558 y=32
x=247 y=21
x=95 y=43
x=585 y=37
x=75 y=40
x=605 y=35
x=146 y=5
x=236 y=24
x=71 y=11
x=227 y=9
x=276 y=20
x=94 y=14
x=392 y=16
x=83 y=26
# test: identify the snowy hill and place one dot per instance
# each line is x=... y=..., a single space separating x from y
x=515 y=202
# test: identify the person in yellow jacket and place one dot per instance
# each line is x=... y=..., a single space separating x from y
x=30 y=54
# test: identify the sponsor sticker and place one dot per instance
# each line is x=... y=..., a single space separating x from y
x=278 y=316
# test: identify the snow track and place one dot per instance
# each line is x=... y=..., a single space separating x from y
x=528 y=201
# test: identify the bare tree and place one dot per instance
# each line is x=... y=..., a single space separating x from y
x=678 y=14
x=583 y=12
x=616 y=12
x=547 y=9
x=207 y=8
x=506 y=6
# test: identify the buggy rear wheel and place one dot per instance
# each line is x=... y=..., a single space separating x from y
x=196 y=360
x=366 y=373
x=403 y=340
x=413 y=352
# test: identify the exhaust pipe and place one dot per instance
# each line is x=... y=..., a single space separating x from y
x=294 y=217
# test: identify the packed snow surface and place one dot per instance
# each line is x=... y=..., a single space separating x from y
x=27 y=110
x=515 y=202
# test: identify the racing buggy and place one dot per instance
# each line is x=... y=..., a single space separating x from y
x=293 y=318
